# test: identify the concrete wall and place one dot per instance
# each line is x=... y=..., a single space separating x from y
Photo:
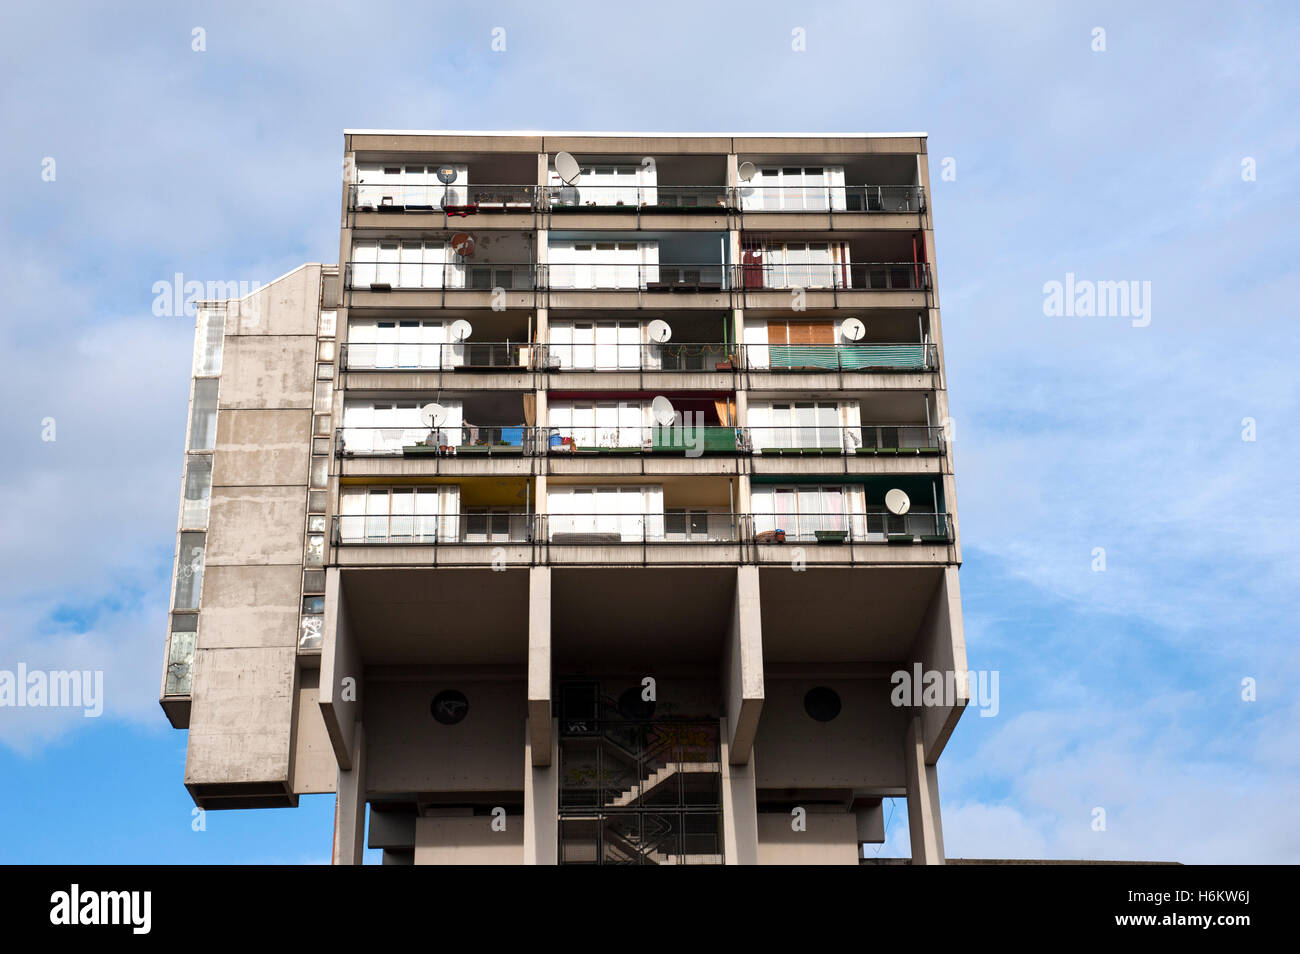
x=468 y=840
x=248 y=734
x=408 y=751
x=829 y=839
x=861 y=748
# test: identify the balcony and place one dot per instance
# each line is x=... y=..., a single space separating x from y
x=434 y=356
x=673 y=537
x=757 y=197
x=756 y=275
x=865 y=357
x=392 y=274
x=455 y=200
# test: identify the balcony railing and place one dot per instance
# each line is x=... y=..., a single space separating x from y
x=852 y=528
x=617 y=276
x=629 y=198
x=697 y=526
x=438 y=276
x=674 y=440
x=454 y=199
x=415 y=356
x=419 y=441
x=637 y=356
x=824 y=198
x=865 y=440
x=874 y=356
x=633 y=276
x=461 y=199
x=838 y=276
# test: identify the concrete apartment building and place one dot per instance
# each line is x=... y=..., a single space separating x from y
x=583 y=513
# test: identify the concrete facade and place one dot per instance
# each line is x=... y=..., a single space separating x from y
x=442 y=554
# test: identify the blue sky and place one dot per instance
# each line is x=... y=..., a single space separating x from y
x=1118 y=689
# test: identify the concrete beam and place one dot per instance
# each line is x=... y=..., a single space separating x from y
x=340 y=672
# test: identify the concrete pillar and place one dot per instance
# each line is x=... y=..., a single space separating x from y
x=739 y=808
x=539 y=665
x=922 y=799
x=350 y=806
x=742 y=671
x=541 y=800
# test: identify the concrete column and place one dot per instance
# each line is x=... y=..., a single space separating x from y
x=539 y=665
x=739 y=808
x=542 y=800
x=742 y=671
x=922 y=799
x=350 y=806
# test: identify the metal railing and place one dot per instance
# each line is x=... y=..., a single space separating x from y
x=437 y=276
x=867 y=439
x=459 y=198
x=826 y=198
x=680 y=439
x=417 y=356
x=467 y=527
x=873 y=356
x=418 y=440
x=673 y=526
x=839 y=276
x=454 y=199
x=844 y=527
x=665 y=198
x=636 y=356
x=635 y=276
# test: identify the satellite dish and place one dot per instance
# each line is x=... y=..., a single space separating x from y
x=661 y=409
x=462 y=243
x=446 y=174
x=659 y=330
x=433 y=415
x=897 y=502
x=567 y=168
x=746 y=171
x=853 y=329
x=461 y=329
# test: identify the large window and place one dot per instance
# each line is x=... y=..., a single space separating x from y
x=614 y=265
x=796 y=189
x=802 y=511
x=410 y=263
x=203 y=415
x=600 y=423
x=189 y=571
x=399 y=514
x=406 y=343
x=198 y=489
x=796 y=425
x=415 y=187
x=385 y=427
x=596 y=345
x=605 y=514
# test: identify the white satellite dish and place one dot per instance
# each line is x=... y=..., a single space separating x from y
x=659 y=330
x=433 y=415
x=897 y=502
x=661 y=409
x=853 y=329
x=746 y=171
x=567 y=168
x=461 y=329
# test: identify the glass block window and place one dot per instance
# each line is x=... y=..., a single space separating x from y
x=180 y=655
x=313 y=605
x=189 y=571
x=198 y=489
x=328 y=322
x=316 y=501
x=320 y=473
x=203 y=415
x=316 y=550
x=324 y=397
x=313 y=581
x=209 y=336
x=325 y=351
x=309 y=635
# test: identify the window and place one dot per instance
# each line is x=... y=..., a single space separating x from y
x=803 y=511
x=209 y=332
x=606 y=514
x=189 y=571
x=180 y=654
x=203 y=415
x=399 y=514
x=796 y=189
x=198 y=488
